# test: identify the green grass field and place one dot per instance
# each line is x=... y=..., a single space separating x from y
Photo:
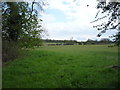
x=63 y=67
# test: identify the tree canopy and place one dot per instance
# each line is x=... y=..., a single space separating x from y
x=21 y=27
x=20 y=23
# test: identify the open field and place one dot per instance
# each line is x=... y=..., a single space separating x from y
x=63 y=67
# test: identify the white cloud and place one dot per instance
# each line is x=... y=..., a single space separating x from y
x=48 y=18
x=78 y=21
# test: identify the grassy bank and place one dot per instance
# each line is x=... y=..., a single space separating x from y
x=63 y=67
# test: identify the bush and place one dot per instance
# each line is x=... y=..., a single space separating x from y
x=10 y=50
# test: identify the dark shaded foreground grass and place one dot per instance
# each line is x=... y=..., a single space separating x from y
x=63 y=67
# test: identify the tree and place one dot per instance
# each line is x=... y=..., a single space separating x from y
x=10 y=21
x=105 y=41
x=90 y=41
x=20 y=23
x=20 y=28
x=112 y=12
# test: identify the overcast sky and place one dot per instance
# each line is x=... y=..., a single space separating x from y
x=66 y=19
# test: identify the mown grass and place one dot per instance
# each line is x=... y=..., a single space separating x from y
x=63 y=67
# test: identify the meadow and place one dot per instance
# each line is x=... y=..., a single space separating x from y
x=77 y=66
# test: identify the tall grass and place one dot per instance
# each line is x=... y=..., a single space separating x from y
x=63 y=67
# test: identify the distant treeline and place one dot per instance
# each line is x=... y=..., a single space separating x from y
x=103 y=41
x=60 y=42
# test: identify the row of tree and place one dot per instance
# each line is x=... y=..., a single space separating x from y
x=60 y=42
x=103 y=41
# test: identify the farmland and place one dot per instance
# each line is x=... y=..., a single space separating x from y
x=70 y=66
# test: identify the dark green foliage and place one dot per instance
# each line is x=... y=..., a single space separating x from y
x=30 y=42
x=20 y=26
x=11 y=21
x=20 y=22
